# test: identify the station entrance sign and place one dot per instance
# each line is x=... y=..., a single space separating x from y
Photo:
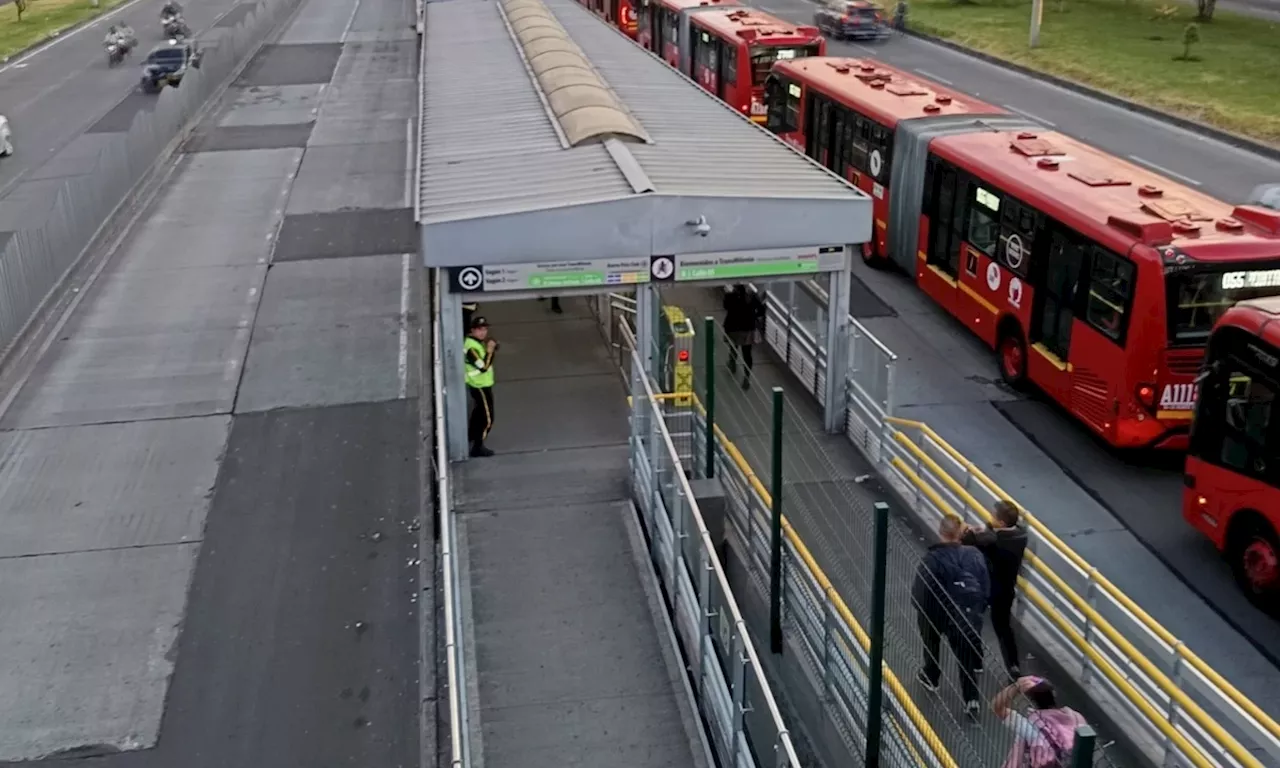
x=612 y=273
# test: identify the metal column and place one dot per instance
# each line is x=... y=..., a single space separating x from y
x=837 y=349
x=647 y=311
x=456 y=400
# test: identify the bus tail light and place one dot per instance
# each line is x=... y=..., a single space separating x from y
x=1146 y=394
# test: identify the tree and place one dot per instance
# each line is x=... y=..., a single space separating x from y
x=1190 y=36
x=21 y=6
x=1204 y=9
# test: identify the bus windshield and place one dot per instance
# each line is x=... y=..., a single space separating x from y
x=762 y=58
x=1197 y=299
x=1236 y=410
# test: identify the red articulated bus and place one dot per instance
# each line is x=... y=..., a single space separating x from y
x=663 y=25
x=1096 y=280
x=1232 y=477
x=731 y=51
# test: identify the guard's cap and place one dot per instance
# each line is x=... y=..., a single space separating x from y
x=479 y=322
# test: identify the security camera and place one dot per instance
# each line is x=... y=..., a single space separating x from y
x=701 y=226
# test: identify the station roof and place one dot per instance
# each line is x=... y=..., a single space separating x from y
x=499 y=181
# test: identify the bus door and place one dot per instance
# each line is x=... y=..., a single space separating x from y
x=944 y=207
x=1053 y=311
x=817 y=139
x=1100 y=377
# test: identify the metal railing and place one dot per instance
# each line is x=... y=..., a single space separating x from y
x=743 y=721
x=1185 y=712
x=37 y=258
x=455 y=663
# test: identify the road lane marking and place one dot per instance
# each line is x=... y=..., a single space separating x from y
x=1029 y=115
x=1162 y=169
x=932 y=76
x=350 y=21
x=406 y=280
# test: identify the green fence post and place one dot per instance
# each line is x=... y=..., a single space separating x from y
x=709 y=334
x=775 y=554
x=875 y=670
x=1082 y=752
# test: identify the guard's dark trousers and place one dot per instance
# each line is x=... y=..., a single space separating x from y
x=966 y=643
x=481 y=420
x=1002 y=623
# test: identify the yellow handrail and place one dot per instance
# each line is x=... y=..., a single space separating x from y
x=899 y=691
x=1136 y=698
x=1232 y=693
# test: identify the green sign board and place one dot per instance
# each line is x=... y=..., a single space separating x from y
x=744 y=265
x=588 y=273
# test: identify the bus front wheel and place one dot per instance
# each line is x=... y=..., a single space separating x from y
x=1013 y=358
x=1255 y=563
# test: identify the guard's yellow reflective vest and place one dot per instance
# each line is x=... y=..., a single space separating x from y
x=476 y=376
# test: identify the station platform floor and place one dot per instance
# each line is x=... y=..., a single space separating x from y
x=566 y=662
x=829 y=490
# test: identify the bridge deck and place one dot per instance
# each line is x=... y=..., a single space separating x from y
x=566 y=664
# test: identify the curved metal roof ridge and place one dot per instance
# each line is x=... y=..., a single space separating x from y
x=582 y=102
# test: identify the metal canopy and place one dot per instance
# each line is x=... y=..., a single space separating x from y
x=498 y=184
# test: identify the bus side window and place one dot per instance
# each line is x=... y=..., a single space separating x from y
x=1110 y=288
x=730 y=58
x=1019 y=227
x=1248 y=434
x=983 y=231
x=782 y=98
x=882 y=142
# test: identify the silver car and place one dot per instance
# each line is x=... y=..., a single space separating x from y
x=6 y=137
x=1267 y=196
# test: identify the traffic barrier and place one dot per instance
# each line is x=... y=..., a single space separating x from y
x=1184 y=712
x=38 y=259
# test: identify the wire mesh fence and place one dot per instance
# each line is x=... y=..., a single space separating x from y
x=36 y=258
x=827 y=494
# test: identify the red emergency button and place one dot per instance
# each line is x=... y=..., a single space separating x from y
x=683 y=356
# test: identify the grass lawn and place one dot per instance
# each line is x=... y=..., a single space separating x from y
x=44 y=19
x=1129 y=48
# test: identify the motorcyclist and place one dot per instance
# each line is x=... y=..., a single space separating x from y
x=171 y=8
x=127 y=35
x=113 y=36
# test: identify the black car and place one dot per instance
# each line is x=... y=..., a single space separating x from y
x=856 y=20
x=167 y=63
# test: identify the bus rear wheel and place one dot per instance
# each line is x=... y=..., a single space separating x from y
x=1013 y=358
x=1255 y=563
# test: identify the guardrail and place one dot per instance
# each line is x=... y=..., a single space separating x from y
x=455 y=664
x=1186 y=713
x=729 y=682
x=38 y=258
x=834 y=645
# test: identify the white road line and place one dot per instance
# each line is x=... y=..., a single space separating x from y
x=403 y=359
x=19 y=62
x=932 y=76
x=352 y=20
x=1164 y=170
x=1030 y=116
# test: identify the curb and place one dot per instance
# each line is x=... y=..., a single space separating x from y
x=1269 y=151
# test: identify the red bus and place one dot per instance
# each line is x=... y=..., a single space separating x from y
x=664 y=25
x=1232 y=476
x=620 y=13
x=853 y=135
x=731 y=51
x=1095 y=280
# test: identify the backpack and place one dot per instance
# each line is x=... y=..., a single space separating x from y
x=1058 y=727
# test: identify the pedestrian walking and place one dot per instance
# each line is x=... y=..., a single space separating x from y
x=555 y=304
x=1004 y=543
x=479 y=351
x=1046 y=735
x=951 y=590
x=744 y=315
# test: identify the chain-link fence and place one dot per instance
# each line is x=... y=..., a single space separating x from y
x=36 y=258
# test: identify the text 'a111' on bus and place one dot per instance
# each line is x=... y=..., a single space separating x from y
x=1232 y=474
x=726 y=49
x=1095 y=280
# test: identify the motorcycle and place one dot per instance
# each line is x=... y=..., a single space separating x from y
x=115 y=52
x=175 y=27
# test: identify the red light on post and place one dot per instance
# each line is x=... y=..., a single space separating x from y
x=683 y=356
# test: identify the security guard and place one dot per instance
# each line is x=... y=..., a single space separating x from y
x=479 y=350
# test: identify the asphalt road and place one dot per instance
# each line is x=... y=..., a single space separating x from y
x=53 y=94
x=1219 y=169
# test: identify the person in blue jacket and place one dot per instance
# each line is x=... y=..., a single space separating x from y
x=952 y=588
